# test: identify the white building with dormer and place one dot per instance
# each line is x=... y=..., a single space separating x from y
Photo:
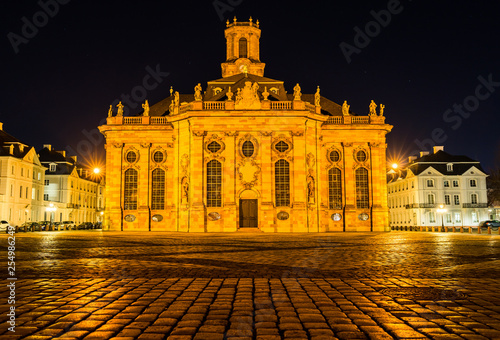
x=436 y=190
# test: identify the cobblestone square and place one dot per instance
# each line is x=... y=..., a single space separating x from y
x=117 y=285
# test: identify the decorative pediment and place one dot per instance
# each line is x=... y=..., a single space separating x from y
x=247 y=98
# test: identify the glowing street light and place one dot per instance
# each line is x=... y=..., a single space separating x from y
x=97 y=171
x=442 y=210
x=394 y=165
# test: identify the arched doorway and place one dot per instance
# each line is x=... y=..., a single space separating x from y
x=249 y=207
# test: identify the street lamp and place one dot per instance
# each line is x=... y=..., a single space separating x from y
x=97 y=171
x=442 y=210
x=51 y=209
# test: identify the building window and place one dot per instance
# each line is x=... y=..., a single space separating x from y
x=432 y=217
x=412 y=184
x=474 y=217
x=447 y=199
x=158 y=157
x=247 y=149
x=335 y=188
x=47 y=182
x=52 y=168
x=456 y=199
x=361 y=156
x=214 y=147
x=214 y=184
x=446 y=184
x=131 y=157
x=430 y=183
x=282 y=183
x=22 y=172
x=449 y=167
x=158 y=189
x=362 y=189
x=455 y=184
x=473 y=183
x=27 y=189
x=130 y=189
x=243 y=48
x=448 y=218
x=45 y=197
x=281 y=146
x=39 y=176
x=431 y=199
x=458 y=218
x=473 y=198
x=334 y=156
x=21 y=192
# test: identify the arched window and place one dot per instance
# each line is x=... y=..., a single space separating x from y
x=243 y=48
x=158 y=189
x=282 y=180
x=214 y=184
x=473 y=198
x=362 y=189
x=130 y=190
x=335 y=188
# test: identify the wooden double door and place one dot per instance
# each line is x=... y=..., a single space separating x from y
x=249 y=213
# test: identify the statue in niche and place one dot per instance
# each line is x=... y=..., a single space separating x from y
x=197 y=92
x=184 y=190
x=310 y=189
x=317 y=97
x=382 y=107
x=110 y=111
x=120 y=109
x=229 y=94
x=145 y=106
x=345 y=108
x=373 y=108
x=297 y=94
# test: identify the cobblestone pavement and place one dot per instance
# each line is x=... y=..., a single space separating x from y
x=112 y=285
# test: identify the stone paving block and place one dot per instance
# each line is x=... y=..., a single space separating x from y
x=208 y=336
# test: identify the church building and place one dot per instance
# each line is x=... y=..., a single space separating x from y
x=245 y=155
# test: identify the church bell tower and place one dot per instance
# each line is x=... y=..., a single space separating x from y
x=243 y=51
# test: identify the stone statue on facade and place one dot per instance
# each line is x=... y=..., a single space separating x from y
x=185 y=190
x=297 y=94
x=373 y=109
x=110 y=111
x=248 y=98
x=382 y=107
x=310 y=189
x=197 y=92
x=145 y=106
x=345 y=108
x=317 y=98
x=120 y=109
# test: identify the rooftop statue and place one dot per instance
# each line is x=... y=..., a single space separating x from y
x=317 y=98
x=110 y=111
x=345 y=108
x=145 y=106
x=382 y=107
x=373 y=108
x=297 y=95
x=197 y=92
x=120 y=109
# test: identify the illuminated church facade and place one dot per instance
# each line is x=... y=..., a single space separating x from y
x=244 y=155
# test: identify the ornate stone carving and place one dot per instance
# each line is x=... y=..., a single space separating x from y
x=347 y=145
x=310 y=160
x=247 y=98
x=296 y=133
x=170 y=145
x=117 y=145
x=145 y=145
x=317 y=97
x=373 y=108
x=311 y=189
x=199 y=133
x=266 y=133
x=265 y=94
x=255 y=142
x=120 y=109
x=145 y=106
x=297 y=94
x=345 y=108
x=215 y=138
x=185 y=190
x=229 y=94
x=248 y=172
x=197 y=92
x=320 y=138
x=185 y=163
x=230 y=133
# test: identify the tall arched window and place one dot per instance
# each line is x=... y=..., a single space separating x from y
x=158 y=189
x=214 y=184
x=282 y=183
x=362 y=188
x=130 y=190
x=243 y=48
x=335 y=188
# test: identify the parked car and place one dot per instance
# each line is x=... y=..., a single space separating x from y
x=44 y=225
x=493 y=224
x=4 y=226
x=85 y=226
x=68 y=225
x=98 y=225
x=28 y=226
x=58 y=226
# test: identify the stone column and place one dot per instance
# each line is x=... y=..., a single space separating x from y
x=197 y=193
x=267 y=217
x=298 y=179
x=113 y=189
x=230 y=222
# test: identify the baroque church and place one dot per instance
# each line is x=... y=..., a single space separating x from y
x=245 y=155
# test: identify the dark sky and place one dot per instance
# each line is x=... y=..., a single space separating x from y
x=424 y=63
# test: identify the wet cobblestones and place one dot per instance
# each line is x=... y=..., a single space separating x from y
x=102 y=285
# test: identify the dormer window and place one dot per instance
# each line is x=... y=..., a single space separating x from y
x=274 y=90
x=52 y=168
x=449 y=167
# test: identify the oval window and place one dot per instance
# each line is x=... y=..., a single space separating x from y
x=214 y=147
x=336 y=217
x=157 y=218
x=363 y=217
x=361 y=156
x=130 y=218
x=214 y=216
x=248 y=149
x=283 y=216
x=334 y=156
x=131 y=157
x=282 y=146
x=158 y=156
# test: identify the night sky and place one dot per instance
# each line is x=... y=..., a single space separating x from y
x=434 y=64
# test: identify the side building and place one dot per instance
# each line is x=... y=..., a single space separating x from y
x=21 y=181
x=437 y=190
x=74 y=193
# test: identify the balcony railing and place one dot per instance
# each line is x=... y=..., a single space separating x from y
x=214 y=105
x=159 y=120
x=361 y=120
x=132 y=120
x=475 y=205
x=281 y=105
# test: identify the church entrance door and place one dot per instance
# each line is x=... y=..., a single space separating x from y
x=248 y=213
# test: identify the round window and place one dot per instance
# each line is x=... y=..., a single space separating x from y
x=130 y=218
x=336 y=217
x=157 y=218
x=361 y=156
x=214 y=147
x=334 y=156
x=158 y=156
x=248 y=149
x=282 y=146
x=131 y=157
x=363 y=217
